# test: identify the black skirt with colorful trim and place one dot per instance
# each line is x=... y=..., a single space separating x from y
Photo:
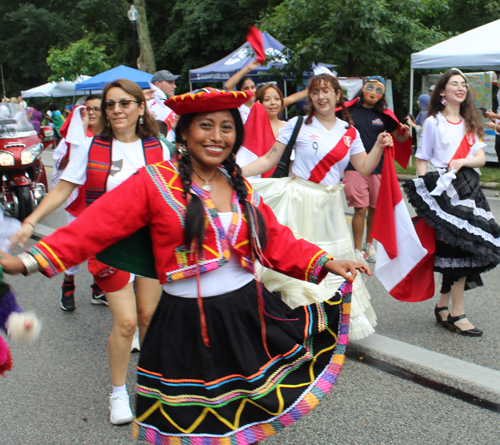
x=467 y=235
x=233 y=392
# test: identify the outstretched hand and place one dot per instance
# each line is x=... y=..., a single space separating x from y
x=346 y=268
x=22 y=235
x=11 y=264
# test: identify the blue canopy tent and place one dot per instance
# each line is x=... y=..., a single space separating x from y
x=223 y=69
x=120 y=72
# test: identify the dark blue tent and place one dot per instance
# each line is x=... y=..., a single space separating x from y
x=223 y=69
x=120 y=72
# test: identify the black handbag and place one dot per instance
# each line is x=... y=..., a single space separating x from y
x=285 y=157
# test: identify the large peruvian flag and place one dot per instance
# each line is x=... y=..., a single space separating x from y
x=405 y=254
x=259 y=138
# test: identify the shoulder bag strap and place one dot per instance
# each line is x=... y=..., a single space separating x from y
x=285 y=157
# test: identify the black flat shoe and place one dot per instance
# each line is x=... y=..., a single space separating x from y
x=440 y=321
x=475 y=332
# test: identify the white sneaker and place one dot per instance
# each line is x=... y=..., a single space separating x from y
x=119 y=406
x=136 y=347
x=372 y=253
x=360 y=256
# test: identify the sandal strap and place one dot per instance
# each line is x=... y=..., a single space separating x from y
x=440 y=309
x=454 y=319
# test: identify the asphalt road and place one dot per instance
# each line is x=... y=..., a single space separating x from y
x=57 y=392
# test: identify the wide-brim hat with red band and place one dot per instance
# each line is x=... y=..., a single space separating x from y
x=207 y=99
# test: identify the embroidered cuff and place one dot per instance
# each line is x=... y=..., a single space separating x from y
x=50 y=265
x=315 y=272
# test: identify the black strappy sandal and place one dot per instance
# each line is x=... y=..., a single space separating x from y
x=439 y=320
x=475 y=332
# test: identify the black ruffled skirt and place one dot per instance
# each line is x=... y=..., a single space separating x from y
x=233 y=392
x=467 y=235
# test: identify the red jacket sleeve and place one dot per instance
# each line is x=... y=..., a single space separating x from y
x=114 y=216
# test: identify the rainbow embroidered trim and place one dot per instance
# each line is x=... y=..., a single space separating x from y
x=49 y=268
x=249 y=434
x=315 y=267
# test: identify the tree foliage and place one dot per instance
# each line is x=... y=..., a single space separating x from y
x=361 y=37
x=78 y=58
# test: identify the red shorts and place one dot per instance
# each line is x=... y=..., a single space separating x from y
x=108 y=278
x=361 y=191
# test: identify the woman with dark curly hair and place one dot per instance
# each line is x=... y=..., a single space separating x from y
x=310 y=201
x=223 y=360
x=467 y=236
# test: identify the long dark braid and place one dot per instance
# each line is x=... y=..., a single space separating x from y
x=249 y=210
x=195 y=214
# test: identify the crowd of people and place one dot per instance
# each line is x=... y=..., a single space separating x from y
x=245 y=289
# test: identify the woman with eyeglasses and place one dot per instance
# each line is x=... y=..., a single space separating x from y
x=310 y=200
x=61 y=158
x=224 y=361
x=126 y=143
x=467 y=236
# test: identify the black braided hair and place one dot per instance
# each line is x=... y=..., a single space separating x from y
x=195 y=215
x=240 y=187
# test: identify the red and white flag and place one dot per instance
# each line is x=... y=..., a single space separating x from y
x=259 y=138
x=254 y=37
x=405 y=254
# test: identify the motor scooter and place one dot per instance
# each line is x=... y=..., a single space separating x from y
x=23 y=180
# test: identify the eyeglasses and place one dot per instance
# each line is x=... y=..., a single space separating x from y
x=456 y=84
x=95 y=110
x=378 y=90
x=122 y=103
x=325 y=91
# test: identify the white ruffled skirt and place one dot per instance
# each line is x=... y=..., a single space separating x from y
x=315 y=213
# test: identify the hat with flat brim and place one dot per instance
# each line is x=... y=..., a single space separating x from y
x=207 y=99
x=164 y=75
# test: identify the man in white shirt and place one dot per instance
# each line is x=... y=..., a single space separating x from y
x=164 y=81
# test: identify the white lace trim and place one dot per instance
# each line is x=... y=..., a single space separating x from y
x=456 y=201
x=422 y=191
x=456 y=263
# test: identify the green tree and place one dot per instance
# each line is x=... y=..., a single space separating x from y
x=78 y=58
x=360 y=37
x=202 y=32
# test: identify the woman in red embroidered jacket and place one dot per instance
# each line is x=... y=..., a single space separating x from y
x=310 y=200
x=127 y=142
x=467 y=235
x=223 y=359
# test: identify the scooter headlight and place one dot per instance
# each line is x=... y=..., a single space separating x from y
x=30 y=154
x=6 y=159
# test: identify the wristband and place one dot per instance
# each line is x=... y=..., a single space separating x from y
x=29 y=262
x=30 y=223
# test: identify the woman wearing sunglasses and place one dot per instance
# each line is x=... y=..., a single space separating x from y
x=127 y=142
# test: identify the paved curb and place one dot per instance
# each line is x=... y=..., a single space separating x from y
x=448 y=367
x=484 y=185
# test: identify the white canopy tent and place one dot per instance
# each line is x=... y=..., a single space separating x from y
x=477 y=49
x=55 y=89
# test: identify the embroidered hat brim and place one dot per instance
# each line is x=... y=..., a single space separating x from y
x=207 y=99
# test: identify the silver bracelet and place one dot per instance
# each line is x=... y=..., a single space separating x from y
x=29 y=262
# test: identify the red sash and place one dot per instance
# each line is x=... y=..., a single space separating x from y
x=99 y=166
x=335 y=155
x=464 y=148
